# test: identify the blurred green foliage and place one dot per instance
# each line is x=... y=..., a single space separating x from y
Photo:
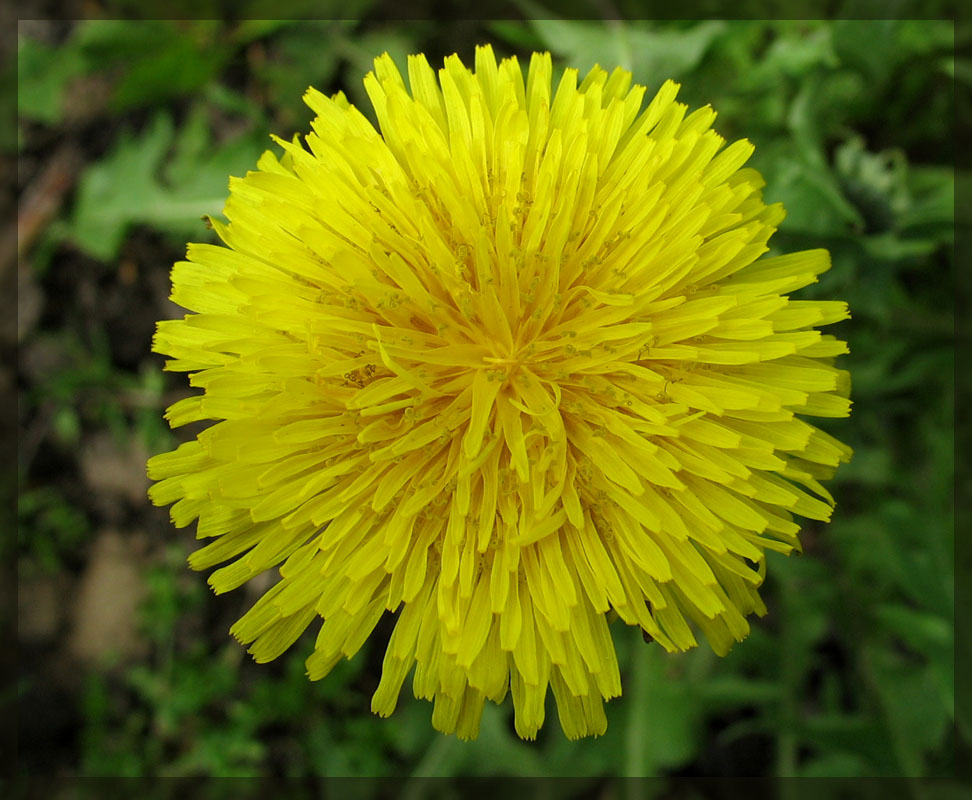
x=852 y=672
x=171 y=182
x=49 y=527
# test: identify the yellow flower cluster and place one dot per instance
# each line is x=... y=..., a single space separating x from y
x=511 y=364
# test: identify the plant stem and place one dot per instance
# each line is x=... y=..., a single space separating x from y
x=637 y=761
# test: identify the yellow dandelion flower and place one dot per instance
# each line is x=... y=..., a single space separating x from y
x=512 y=364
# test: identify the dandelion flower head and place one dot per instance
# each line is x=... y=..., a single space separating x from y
x=513 y=364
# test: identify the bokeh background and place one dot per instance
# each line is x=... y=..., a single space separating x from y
x=127 y=134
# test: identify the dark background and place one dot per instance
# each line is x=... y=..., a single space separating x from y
x=127 y=134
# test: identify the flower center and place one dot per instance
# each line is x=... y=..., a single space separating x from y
x=511 y=363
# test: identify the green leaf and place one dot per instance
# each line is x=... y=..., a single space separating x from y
x=889 y=247
x=813 y=201
x=115 y=192
x=928 y=635
x=517 y=33
x=731 y=691
x=178 y=68
x=916 y=725
x=871 y=46
x=861 y=734
x=926 y=36
x=109 y=41
x=835 y=765
x=932 y=201
x=896 y=370
x=923 y=631
x=154 y=60
x=652 y=55
x=664 y=715
x=43 y=74
x=249 y=30
x=795 y=52
x=131 y=186
x=873 y=182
